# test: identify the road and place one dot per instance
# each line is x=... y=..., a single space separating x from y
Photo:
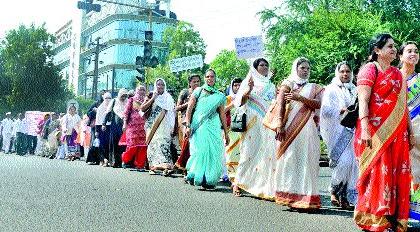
x=38 y=194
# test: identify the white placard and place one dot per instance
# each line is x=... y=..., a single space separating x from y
x=33 y=118
x=185 y=63
x=249 y=47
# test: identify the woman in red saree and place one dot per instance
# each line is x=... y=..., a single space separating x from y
x=381 y=142
x=134 y=129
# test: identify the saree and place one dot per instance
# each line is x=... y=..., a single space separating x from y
x=183 y=141
x=297 y=164
x=204 y=167
x=339 y=139
x=158 y=150
x=257 y=144
x=384 y=170
x=413 y=86
x=135 y=135
x=232 y=149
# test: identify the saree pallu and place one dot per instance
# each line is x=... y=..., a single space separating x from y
x=297 y=165
x=159 y=149
x=232 y=149
x=204 y=167
x=257 y=147
x=413 y=86
x=384 y=177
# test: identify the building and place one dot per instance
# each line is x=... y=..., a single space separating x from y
x=120 y=32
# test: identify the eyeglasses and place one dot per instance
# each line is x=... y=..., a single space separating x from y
x=210 y=76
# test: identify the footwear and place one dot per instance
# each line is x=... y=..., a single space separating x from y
x=208 y=187
x=334 y=201
x=236 y=191
x=105 y=163
x=167 y=172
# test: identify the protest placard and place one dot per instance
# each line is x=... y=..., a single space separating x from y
x=186 y=63
x=249 y=47
x=33 y=118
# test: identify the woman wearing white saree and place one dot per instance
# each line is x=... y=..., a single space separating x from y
x=337 y=96
x=297 y=157
x=257 y=148
x=159 y=127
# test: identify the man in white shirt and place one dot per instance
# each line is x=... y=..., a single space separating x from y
x=21 y=134
x=7 y=130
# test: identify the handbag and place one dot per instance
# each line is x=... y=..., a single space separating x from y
x=238 y=123
x=271 y=119
x=349 y=118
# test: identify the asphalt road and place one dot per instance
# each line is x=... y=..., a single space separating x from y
x=38 y=194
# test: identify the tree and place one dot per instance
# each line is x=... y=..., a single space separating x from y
x=228 y=66
x=329 y=31
x=183 y=40
x=34 y=79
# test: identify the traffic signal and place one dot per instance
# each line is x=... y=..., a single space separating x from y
x=88 y=6
x=148 y=59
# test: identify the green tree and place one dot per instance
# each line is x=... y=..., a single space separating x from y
x=228 y=66
x=183 y=40
x=329 y=31
x=28 y=62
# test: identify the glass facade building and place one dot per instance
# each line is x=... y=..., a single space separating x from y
x=120 y=31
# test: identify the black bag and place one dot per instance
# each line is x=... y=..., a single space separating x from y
x=238 y=123
x=349 y=118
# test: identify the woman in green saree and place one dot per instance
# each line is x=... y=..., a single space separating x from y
x=204 y=125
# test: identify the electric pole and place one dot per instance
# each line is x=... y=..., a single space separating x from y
x=98 y=47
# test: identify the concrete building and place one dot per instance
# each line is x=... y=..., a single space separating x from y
x=120 y=30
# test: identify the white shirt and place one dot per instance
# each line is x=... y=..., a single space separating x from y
x=7 y=125
x=21 y=126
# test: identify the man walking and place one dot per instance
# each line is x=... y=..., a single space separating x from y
x=7 y=130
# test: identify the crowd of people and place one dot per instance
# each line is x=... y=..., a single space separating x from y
x=264 y=140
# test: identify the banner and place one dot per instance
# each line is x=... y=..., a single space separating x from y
x=249 y=47
x=186 y=63
x=33 y=118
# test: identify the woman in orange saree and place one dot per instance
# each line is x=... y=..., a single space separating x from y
x=381 y=142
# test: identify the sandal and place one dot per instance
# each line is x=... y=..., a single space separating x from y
x=167 y=172
x=236 y=191
x=334 y=201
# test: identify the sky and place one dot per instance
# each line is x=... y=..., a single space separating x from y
x=218 y=21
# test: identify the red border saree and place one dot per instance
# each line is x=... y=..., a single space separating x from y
x=384 y=175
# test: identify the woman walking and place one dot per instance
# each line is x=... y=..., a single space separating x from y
x=136 y=152
x=103 y=135
x=204 y=166
x=409 y=58
x=382 y=142
x=257 y=149
x=159 y=127
x=115 y=117
x=232 y=153
x=181 y=107
x=297 y=157
x=337 y=96
x=70 y=122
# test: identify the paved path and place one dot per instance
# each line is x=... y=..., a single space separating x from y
x=38 y=194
